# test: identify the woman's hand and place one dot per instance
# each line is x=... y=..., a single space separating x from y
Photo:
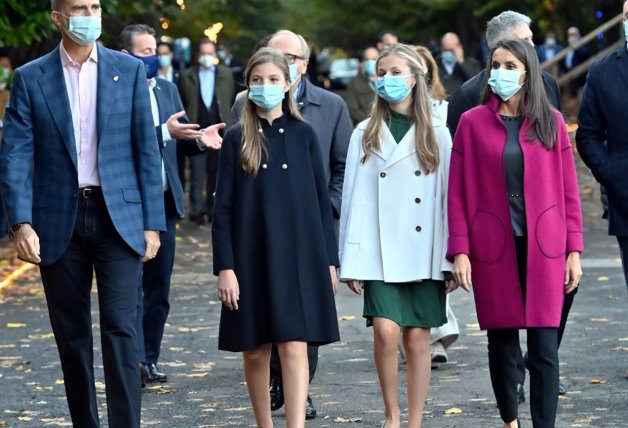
x=334 y=278
x=355 y=285
x=573 y=272
x=462 y=271
x=228 y=289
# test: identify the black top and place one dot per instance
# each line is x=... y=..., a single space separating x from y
x=513 y=169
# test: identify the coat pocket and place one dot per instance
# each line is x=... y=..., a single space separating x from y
x=131 y=195
x=551 y=232
x=354 y=227
x=487 y=237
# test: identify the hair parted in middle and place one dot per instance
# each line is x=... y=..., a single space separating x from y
x=533 y=104
x=252 y=139
x=420 y=112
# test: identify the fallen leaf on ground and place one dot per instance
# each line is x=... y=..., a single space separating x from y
x=602 y=278
x=347 y=318
x=15 y=324
x=340 y=420
x=620 y=348
x=597 y=381
x=453 y=411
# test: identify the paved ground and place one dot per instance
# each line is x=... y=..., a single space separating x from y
x=206 y=387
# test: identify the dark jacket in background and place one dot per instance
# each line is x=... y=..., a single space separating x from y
x=602 y=119
x=462 y=72
x=359 y=96
x=224 y=92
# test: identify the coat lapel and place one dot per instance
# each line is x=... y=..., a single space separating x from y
x=108 y=82
x=52 y=84
x=405 y=148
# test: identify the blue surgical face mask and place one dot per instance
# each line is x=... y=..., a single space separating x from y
x=448 y=57
x=165 y=61
x=392 y=88
x=505 y=83
x=266 y=96
x=294 y=74
x=151 y=64
x=369 y=67
x=83 y=30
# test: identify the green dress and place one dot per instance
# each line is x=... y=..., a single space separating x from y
x=410 y=304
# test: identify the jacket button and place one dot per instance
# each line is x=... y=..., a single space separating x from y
x=417 y=200
x=382 y=174
x=284 y=166
x=417 y=172
x=418 y=228
x=281 y=130
x=264 y=166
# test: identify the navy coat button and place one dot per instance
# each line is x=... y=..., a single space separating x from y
x=264 y=166
x=284 y=166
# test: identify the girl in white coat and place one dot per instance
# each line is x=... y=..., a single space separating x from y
x=393 y=226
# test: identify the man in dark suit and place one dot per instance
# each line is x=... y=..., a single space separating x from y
x=235 y=64
x=207 y=91
x=166 y=107
x=329 y=116
x=507 y=25
x=360 y=92
x=81 y=182
x=167 y=71
x=602 y=139
x=574 y=58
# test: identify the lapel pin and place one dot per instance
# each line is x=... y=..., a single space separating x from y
x=115 y=78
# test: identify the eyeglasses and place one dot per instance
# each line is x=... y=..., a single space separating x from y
x=291 y=58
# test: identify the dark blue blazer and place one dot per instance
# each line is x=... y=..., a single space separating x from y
x=602 y=119
x=38 y=174
x=169 y=103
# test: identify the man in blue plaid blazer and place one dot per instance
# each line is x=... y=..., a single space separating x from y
x=80 y=175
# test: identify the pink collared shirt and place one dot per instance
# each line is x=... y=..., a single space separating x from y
x=81 y=81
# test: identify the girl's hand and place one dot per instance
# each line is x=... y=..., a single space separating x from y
x=334 y=278
x=355 y=286
x=462 y=271
x=573 y=272
x=228 y=289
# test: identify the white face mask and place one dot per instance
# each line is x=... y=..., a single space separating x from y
x=206 y=60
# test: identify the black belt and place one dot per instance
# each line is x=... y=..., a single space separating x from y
x=90 y=192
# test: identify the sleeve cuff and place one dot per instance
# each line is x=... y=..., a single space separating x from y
x=165 y=134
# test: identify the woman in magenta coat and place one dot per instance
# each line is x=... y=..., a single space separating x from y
x=515 y=220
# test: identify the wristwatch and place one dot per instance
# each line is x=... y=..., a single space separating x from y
x=15 y=227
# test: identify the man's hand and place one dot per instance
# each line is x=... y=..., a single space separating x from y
x=210 y=137
x=26 y=244
x=152 y=242
x=459 y=51
x=182 y=131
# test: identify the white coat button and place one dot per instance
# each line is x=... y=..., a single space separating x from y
x=284 y=166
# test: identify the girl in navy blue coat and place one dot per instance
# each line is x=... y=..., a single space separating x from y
x=275 y=250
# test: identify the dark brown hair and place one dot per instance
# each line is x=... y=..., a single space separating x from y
x=533 y=104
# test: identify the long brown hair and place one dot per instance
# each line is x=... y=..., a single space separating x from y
x=252 y=139
x=420 y=112
x=432 y=77
x=533 y=104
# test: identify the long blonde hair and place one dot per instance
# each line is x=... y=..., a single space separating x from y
x=420 y=113
x=253 y=141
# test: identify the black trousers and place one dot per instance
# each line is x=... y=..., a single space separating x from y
x=275 y=362
x=504 y=355
x=96 y=246
x=153 y=305
x=203 y=170
x=623 y=249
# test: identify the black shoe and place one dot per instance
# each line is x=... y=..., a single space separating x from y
x=521 y=394
x=276 y=395
x=143 y=374
x=310 y=410
x=562 y=389
x=154 y=375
